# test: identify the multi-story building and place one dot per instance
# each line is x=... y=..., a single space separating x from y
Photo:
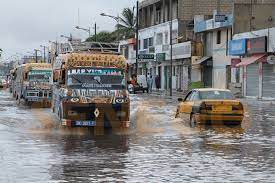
x=214 y=68
x=154 y=37
x=128 y=49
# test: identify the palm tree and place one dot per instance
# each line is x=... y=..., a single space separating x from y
x=127 y=24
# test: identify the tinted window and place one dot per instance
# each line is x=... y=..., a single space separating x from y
x=195 y=96
x=204 y=95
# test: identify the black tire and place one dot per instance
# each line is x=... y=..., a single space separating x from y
x=193 y=122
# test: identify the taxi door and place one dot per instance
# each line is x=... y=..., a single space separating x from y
x=186 y=106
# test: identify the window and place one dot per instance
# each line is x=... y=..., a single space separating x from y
x=166 y=37
x=145 y=43
x=139 y=45
x=158 y=16
x=219 y=37
x=151 y=41
x=195 y=96
x=159 y=39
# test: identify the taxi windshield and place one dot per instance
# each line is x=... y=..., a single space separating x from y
x=208 y=95
x=97 y=78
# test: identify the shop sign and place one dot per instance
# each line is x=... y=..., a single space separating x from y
x=160 y=57
x=237 y=47
x=220 y=18
x=146 y=56
x=257 y=45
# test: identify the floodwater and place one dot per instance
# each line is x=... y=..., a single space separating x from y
x=157 y=147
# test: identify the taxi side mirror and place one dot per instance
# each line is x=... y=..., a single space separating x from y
x=180 y=99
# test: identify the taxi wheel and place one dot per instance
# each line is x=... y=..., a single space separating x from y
x=193 y=122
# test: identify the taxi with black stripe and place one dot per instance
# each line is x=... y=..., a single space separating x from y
x=210 y=107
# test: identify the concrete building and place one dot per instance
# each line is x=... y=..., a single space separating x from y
x=255 y=58
x=128 y=49
x=214 y=68
x=154 y=37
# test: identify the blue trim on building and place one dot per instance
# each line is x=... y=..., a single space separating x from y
x=210 y=24
x=237 y=47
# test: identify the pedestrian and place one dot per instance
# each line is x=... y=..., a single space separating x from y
x=157 y=81
x=150 y=83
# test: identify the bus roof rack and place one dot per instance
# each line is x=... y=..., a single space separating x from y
x=98 y=47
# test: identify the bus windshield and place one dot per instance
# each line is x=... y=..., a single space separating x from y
x=97 y=78
x=40 y=75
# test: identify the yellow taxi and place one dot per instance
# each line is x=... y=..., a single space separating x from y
x=210 y=107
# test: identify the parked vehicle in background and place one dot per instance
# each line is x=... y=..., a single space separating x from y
x=33 y=83
x=90 y=90
x=141 y=84
x=210 y=107
x=3 y=81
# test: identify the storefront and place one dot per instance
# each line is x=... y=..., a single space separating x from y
x=202 y=68
x=255 y=71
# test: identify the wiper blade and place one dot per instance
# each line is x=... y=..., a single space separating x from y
x=101 y=84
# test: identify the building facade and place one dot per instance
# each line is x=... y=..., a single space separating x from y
x=214 y=68
x=154 y=38
x=256 y=60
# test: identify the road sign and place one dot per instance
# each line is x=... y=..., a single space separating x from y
x=146 y=56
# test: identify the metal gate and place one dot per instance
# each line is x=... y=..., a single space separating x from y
x=268 y=80
x=252 y=80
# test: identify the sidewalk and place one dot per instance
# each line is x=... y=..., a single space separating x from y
x=166 y=93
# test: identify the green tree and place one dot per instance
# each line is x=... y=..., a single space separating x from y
x=103 y=36
x=127 y=24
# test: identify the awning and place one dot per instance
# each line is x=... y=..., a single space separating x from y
x=200 y=61
x=250 y=60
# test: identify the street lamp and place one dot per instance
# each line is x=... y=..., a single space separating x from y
x=70 y=38
x=88 y=30
x=116 y=18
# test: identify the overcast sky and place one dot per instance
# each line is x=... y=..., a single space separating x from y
x=26 y=24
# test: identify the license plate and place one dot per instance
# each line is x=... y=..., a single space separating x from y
x=85 y=123
x=222 y=108
x=34 y=99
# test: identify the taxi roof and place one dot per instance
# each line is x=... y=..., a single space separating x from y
x=211 y=89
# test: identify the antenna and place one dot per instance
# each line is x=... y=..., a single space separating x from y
x=78 y=17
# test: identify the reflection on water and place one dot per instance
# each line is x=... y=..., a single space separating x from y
x=157 y=148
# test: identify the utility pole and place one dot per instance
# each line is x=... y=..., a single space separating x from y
x=171 y=49
x=44 y=52
x=137 y=37
x=35 y=53
x=95 y=32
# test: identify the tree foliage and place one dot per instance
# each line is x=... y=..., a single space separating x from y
x=125 y=29
x=103 y=36
x=127 y=24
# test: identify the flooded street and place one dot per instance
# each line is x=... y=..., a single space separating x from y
x=157 y=147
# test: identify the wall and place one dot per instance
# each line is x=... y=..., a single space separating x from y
x=260 y=16
x=220 y=59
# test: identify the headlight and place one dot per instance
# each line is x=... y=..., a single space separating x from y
x=120 y=100
x=75 y=100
